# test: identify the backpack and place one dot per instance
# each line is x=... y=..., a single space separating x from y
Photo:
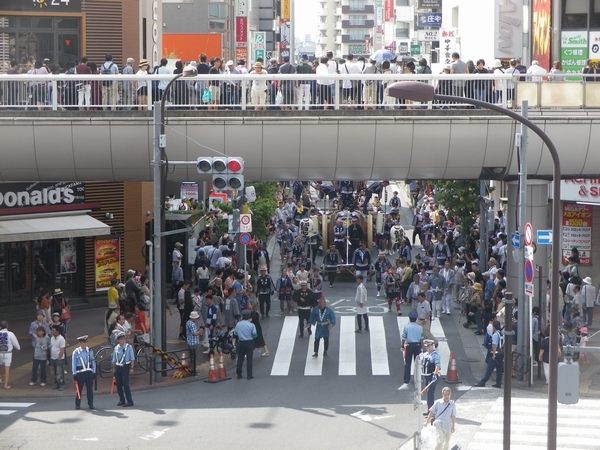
x=106 y=71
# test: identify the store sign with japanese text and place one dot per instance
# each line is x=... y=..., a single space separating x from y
x=286 y=8
x=577 y=231
x=430 y=3
x=389 y=10
x=42 y=196
x=41 y=6
x=241 y=32
x=573 y=52
x=107 y=255
x=447 y=44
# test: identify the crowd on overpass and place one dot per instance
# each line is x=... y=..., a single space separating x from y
x=213 y=94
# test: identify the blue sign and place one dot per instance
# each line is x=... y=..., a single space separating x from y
x=544 y=237
x=529 y=271
x=429 y=20
x=245 y=238
x=515 y=240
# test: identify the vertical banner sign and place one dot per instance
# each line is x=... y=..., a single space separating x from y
x=447 y=44
x=594 y=45
x=508 y=29
x=577 y=231
x=153 y=32
x=540 y=31
x=107 y=254
x=388 y=15
x=259 y=41
x=241 y=32
x=573 y=52
x=68 y=256
x=241 y=8
x=286 y=10
x=286 y=34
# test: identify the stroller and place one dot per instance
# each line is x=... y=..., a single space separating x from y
x=225 y=342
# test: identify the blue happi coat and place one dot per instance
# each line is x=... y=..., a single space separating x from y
x=328 y=318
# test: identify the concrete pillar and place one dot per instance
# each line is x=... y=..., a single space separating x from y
x=539 y=214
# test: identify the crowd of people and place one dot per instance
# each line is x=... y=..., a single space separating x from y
x=216 y=93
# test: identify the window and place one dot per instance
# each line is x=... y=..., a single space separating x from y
x=358 y=19
x=359 y=34
x=575 y=14
x=216 y=24
x=357 y=5
x=217 y=11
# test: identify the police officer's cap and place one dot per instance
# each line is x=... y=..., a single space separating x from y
x=121 y=336
x=246 y=313
x=428 y=342
x=413 y=315
x=83 y=338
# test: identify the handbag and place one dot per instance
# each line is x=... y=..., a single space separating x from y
x=65 y=314
x=206 y=96
x=279 y=98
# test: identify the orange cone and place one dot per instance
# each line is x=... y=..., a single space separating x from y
x=452 y=375
x=212 y=373
x=221 y=372
x=183 y=360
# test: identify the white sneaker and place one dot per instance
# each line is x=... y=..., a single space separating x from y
x=404 y=387
x=379 y=294
x=31 y=383
x=42 y=384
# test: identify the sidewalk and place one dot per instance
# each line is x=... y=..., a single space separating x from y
x=90 y=322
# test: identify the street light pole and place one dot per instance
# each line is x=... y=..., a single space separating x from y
x=422 y=92
x=159 y=318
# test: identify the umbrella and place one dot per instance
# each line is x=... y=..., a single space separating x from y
x=407 y=59
x=383 y=55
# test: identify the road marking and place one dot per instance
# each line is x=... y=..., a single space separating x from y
x=285 y=348
x=15 y=405
x=94 y=439
x=154 y=435
x=366 y=417
x=313 y=366
x=339 y=301
x=7 y=412
x=443 y=349
x=347 y=346
x=379 y=356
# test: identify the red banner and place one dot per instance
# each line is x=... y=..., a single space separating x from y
x=107 y=253
x=241 y=31
x=388 y=11
x=541 y=14
x=577 y=231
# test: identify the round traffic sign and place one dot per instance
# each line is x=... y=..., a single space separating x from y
x=245 y=238
x=528 y=234
x=245 y=219
x=529 y=271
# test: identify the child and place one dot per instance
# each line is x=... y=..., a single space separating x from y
x=40 y=355
x=583 y=343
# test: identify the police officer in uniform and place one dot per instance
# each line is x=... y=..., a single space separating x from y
x=412 y=338
x=122 y=361
x=432 y=365
x=83 y=366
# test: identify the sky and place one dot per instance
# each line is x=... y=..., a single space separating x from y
x=307 y=20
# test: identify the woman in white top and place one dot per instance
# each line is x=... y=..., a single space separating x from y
x=259 y=87
x=142 y=84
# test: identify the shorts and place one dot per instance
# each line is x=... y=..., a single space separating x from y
x=258 y=97
x=215 y=92
x=5 y=359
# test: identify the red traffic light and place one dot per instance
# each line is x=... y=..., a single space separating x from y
x=234 y=165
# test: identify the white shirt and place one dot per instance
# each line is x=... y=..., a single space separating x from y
x=163 y=70
x=142 y=74
x=176 y=255
x=536 y=70
x=8 y=341
x=322 y=70
x=332 y=68
x=361 y=298
x=348 y=69
x=56 y=343
x=259 y=85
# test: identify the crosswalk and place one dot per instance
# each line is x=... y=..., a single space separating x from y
x=8 y=412
x=382 y=343
x=577 y=426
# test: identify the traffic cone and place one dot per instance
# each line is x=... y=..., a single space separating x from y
x=212 y=373
x=221 y=372
x=184 y=359
x=452 y=374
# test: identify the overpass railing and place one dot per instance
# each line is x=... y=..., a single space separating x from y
x=258 y=92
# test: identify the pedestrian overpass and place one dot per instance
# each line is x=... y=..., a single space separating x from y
x=288 y=145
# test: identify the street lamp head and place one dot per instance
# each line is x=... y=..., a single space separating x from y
x=190 y=71
x=412 y=90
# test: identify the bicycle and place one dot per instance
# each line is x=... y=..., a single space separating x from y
x=104 y=360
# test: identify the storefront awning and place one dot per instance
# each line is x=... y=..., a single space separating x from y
x=50 y=226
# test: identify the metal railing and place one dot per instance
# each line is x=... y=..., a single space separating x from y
x=281 y=92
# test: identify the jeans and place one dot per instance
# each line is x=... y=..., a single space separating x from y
x=359 y=318
x=58 y=371
x=245 y=350
x=567 y=315
x=41 y=363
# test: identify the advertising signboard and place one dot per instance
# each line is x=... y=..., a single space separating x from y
x=107 y=256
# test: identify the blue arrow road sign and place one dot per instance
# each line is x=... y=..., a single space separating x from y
x=544 y=237
x=515 y=240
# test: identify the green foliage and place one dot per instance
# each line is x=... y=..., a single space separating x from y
x=263 y=208
x=460 y=198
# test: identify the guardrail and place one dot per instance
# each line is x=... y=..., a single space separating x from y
x=253 y=92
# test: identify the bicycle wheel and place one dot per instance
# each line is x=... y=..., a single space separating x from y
x=104 y=360
x=144 y=358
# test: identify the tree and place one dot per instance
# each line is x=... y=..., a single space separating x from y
x=460 y=198
x=263 y=208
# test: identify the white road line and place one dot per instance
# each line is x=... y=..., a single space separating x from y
x=7 y=412
x=444 y=352
x=437 y=330
x=379 y=356
x=287 y=339
x=314 y=366
x=347 y=362
x=15 y=405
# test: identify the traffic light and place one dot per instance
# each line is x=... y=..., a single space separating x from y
x=226 y=171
